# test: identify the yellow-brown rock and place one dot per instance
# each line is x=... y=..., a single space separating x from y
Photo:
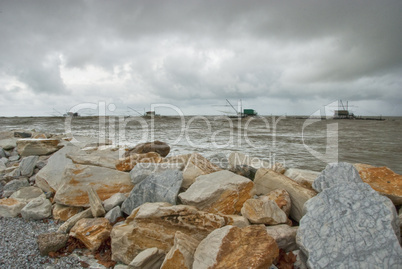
x=263 y=211
x=181 y=255
x=281 y=198
x=197 y=165
x=10 y=207
x=155 y=225
x=92 y=232
x=63 y=213
x=221 y=192
x=236 y=248
x=383 y=180
x=128 y=163
x=106 y=182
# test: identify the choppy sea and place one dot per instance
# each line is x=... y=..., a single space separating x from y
x=293 y=141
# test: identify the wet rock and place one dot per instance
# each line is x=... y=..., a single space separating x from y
x=162 y=187
x=155 y=225
x=113 y=214
x=267 y=180
x=10 y=207
x=36 y=209
x=150 y=258
x=104 y=157
x=66 y=226
x=14 y=186
x=27 y=165
x=284 y=236
x=115 y=200
x=303 y=177
x=143 y=170
x=349 y=225
x=181 y=255
x=383 y=180
x=128 y=163
x=106 y=182
x=63 y=213
x=336 y=173
x=26 y=194
x=91 y=232
x=28 y=147
x=263 y=211
x=159 y=147
x=51 y=242
x=196 y=166
x=233 y=247
x=95 y=203
x=220 y=192
x=50 y=177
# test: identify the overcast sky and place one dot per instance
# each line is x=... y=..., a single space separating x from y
x=279 y=57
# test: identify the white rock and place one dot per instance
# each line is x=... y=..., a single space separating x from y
x=104 y=157
x=303 y=177
x=150 y=258
x=36 y=209
x=26 y=194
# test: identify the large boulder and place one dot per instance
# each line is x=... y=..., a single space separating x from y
x=383 y=180
x=27 y=194
x=236 y=248
x=10 y=207
x=106 y=182
x=38 y=208
x=336 y=173
x=128 y=163
x=50 y=177
x=28 y=147
x=91 y=232
x=155 y=225
x=102 y=156
x=181 y=255
x=267 y=180
x=27 y=165
x=353 y=211
x=221 y=192
x=162 y=187
x=197 y=165
x=159 y=147
x=142 y=170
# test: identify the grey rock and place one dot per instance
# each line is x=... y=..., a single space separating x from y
x=113 y=214
x=28 y=147
x=336 y=173
x=163 y=187
x=284 y=235
x=27 y=165
x=36 y=209
x=4 y=160
x=151 y=258
x=143 y=170
x=51 y=242
x=121 y=266
x=14 y=158
x=15 y=173
x=350 y=225
x=66 y=226
x=14 y=186
x=115 y=200
x=3 y=166
x=95 y=203
x=26 y=194
x=22 y=135
x=2 y=153
x=8 y=143
x=244 y=170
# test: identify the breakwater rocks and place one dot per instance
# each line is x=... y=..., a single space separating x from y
x=142 y=208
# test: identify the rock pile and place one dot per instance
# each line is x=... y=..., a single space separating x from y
x=149 y=210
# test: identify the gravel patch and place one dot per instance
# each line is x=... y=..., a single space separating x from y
x=18 y=247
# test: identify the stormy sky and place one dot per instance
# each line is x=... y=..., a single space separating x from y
x=278 y=57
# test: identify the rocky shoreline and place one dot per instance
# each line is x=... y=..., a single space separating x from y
x=78 y=203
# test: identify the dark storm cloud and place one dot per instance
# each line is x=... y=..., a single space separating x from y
x=210 y=50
